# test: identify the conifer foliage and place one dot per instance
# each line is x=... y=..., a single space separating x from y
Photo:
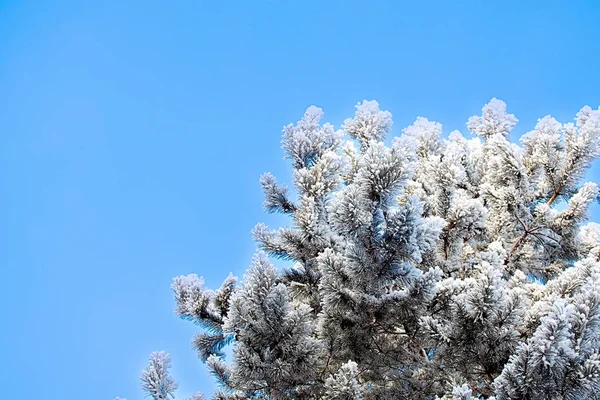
x=428 y=267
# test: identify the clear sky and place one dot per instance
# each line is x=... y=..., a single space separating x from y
x=134 y=133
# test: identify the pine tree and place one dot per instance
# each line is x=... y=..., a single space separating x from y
x=426 y=268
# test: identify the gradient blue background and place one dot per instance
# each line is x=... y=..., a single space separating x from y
x=133 y=136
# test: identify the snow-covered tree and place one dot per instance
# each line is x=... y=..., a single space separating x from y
x=421 y=267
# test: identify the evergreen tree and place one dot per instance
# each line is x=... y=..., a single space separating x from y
x=426 y=268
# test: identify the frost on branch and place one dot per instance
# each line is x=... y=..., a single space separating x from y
x=344 y=385
x=462 y=392
x=157 y=383
x=304 y=142
x=206 y=308
x=588 y=240
x=369 y=123
x=477 y=326
x=494 y=120
x=275 y=351
x=276 y=197
x=441 y=265
x=562 y=356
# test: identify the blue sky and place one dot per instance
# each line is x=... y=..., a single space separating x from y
x=133 y=137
